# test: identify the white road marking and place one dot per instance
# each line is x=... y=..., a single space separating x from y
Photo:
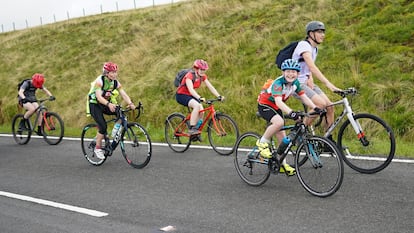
x=81 y=210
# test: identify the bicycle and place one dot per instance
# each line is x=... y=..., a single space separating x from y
x=134 y=139
x=321 y=173
x=222 y=130
x=52 y=127
x=366 y=141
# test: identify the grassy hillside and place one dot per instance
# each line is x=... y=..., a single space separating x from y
x=369 y=44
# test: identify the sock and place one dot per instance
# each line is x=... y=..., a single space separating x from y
x=264 y=140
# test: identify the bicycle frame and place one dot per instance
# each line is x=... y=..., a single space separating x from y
x=40 y=111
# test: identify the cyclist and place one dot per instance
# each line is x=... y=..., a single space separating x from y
x=271 y=105
x=308 y=50
x=186 y=93
x=27 y=99
x=102 y=100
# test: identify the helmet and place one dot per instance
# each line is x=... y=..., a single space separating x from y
x=290 y=64
x=109 y=67
x=38 y=80
x=313 y=26
x=200 y=64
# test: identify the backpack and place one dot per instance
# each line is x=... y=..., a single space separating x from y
x=180 y=75
x=21 y=83
x=286 y=53
x=267 y=85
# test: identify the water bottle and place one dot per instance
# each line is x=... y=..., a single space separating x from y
x=283 y=145
x=199 y=123
x=117 y=126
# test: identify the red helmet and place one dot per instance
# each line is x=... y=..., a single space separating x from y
x=38 y=80
x=200 y=64
x=109 y=67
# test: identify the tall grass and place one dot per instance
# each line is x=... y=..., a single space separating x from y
x=369 y=45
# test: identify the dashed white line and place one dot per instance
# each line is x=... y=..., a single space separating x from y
x=81 y=210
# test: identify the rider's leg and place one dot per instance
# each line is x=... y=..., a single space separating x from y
x=195 y=115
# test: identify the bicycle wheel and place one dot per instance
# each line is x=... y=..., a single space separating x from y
x=175 y=132
x=322 y=173
x=52 y=128
x=251 y=168
x=222 y=134
x=20 y=136
x=136 y=145
x=373 y=151
x=88 y=143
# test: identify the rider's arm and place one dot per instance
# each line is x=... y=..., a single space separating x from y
x=308 y=102
x=315 y=70
x=126 y=98
x=21 y=93
x=190 y=87
x=282 y=106
x=211 y=88
x=47 y=91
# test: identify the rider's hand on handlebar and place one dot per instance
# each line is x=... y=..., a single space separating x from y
x=220 y=98
x=51 y=98
x=202 y=99
x=317 y=110
x=294 y=115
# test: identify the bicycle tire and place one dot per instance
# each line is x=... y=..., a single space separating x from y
x=251 y=168
x=136 y=145
x=380 y=150
x=21 y=137
x=52 y=128
x=322 y=173
x=175 y=128
x=223 y=138
x=88 y=142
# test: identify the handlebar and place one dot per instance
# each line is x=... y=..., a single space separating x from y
x=138 y=108
x=349 y=91
x=46 y=99
x=308 y=114
x=211 y=101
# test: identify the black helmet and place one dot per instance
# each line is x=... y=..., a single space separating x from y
x=313 y=26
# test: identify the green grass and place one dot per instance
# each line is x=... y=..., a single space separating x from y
x=369 y=45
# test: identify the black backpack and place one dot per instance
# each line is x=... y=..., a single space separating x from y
x=180 y=75
x=286 y=53
x=21 y=83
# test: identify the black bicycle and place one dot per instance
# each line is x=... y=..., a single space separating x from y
x=318 y=161
x=51 y=128
x=134 y=139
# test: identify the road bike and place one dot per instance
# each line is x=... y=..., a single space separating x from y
x=222 y=130
x=51 y=128
x=366 y=141
x=134 y=139
x=317 y=160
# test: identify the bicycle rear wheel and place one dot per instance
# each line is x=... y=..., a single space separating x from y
x=21 y=136
x=88 y=143
x=222 y=134
x=251 y=168
x=136 y=145
x=322 y=173
x=373 y=149
x=175 y=132
x=52 y=128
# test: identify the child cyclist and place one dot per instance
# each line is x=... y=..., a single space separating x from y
x=27 y=99
x=187 y=95
x=271 y=105
x=101 y=101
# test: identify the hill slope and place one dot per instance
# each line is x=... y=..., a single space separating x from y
x=369 y=44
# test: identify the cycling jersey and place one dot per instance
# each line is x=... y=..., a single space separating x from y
x=29 y=91
x=279 y=88
x=182 y=89
x=108 y=91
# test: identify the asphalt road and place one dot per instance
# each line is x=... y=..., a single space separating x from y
x=197 y=191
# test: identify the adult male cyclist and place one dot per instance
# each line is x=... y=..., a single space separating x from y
x=101 y=101
x=271 y=105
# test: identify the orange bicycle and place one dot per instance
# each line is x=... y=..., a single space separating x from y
x=221 y=129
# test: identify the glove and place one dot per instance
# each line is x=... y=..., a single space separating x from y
x=220 y=98
x=317 y=110
x=51 y=98
x=294 y=115
x=202 y=99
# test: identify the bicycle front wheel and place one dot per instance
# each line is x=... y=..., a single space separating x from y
x=88 y=143
x=222 y=133
x=136 y=145
x=52 y=128
x=251 y=168
x=372 y=149
x=21 y=136
x=321 y=174
x=175 y=132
